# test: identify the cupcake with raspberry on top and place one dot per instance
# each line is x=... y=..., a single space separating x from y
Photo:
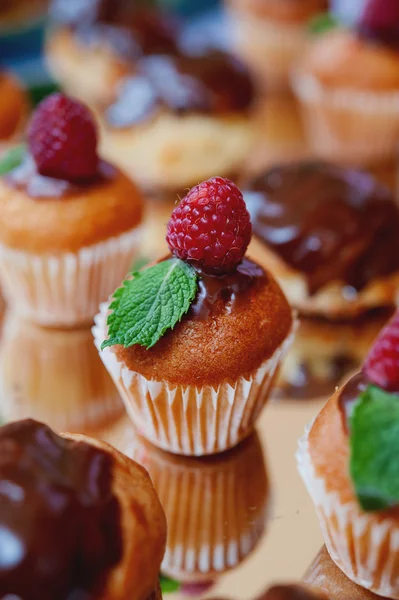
x=194 y=342
x=348 y=460
x=68 y=220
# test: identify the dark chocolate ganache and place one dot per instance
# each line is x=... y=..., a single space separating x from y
x=213 y=83
x=219 y=294
x=59 y=520
x=329 y=223
x=289 y=592
x=131 y=29
x=26 y=178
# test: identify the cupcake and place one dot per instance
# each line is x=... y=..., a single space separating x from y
x=329 y=235
x=323 y=353
x=55 y=376
x=14 y=107
x=270 y=34
x=92 y=45
x=99 y=504
x=324 y=575
x=179 y=119
x=348 y=462
x=347 y=83
x=216 y=507
x=194 y=342
x=69 y=221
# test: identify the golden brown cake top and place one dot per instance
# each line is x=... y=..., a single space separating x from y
x=236 y=322
x=293 y=592
x=284 y=11
x=45 y=215
x=343 y=59
x=13 y=105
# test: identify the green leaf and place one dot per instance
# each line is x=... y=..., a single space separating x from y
x=322 y=23
x=168 y=586
x=12 y=159
x=150 y=303
x=374 y=449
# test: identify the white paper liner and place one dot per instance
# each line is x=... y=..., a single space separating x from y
x=364 y=546
x=216 y=507
x=65 y=289
x=348 y=125
x=56 y=377
x=190 y=420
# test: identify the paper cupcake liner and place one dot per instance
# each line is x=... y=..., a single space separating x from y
x=190 y=420
x=365 y=546
x=56 y=377
x=216 y=507
x=348 y=125
x=269 y=48
x=65 y=289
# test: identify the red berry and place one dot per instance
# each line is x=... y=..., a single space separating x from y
x=62 y=138
x=211 y=227
x=382 y=363
x=380 y=21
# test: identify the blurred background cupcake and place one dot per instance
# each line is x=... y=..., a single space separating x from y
x=270 y=34
x=14 y=110
x=216 y=508
x=56 y=377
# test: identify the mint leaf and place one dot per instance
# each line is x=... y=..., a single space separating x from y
x=322 y=23
x=151 y=303
x=168 y=586
x=374 y=449
x=12 y=159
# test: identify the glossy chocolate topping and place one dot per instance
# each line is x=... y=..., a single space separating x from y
x=59 y=521
x=26 y=178
x=221 y=294
x=349 y=395
x=290 y=592
x=329 y=223
x=214 y=83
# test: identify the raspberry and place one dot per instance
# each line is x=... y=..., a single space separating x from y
x=211 y=227
x=382 y=363
x=62 y=139
x=380 y=21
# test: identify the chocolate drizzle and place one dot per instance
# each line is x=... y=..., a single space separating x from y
x=329 y=223
x=218 y=294
x=26 y=178
x=59 y=521
x=212 y=83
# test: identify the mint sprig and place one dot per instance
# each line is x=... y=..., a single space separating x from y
x=12 y=159
x=168 y=586
x=374 y=449
x=150 y=303
x=322 y=23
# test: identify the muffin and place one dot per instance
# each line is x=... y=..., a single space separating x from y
x=98 y=502
x=194 y=342
x=329 y=235
x=216 y=507
x=270 y=35
x=92 y=45
x=325 y=352
x=55 y=376
x=324 y=574
x=14 y=107
x=179 y=119
x=347 y=83
x=348 y=462
x=69 y=221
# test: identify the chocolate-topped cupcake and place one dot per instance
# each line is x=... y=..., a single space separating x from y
x=180 y=119
x=330 y=235
x=68 y=219
x=92 y=45
x=67 y=522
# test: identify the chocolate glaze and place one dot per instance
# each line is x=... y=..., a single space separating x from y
x=224 y=293
x=349 y=394
x=59 y=520
x=131 y=30
x=289 y=592
x=26 y=178
x=214 y=83
x=330 y=223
